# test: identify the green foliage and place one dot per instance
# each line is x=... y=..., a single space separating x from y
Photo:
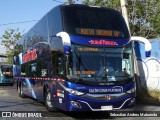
x=9 y=39
x=10 y=55
x=153 y=94
x=70 y=1
x=144 y=15
x=105 y=3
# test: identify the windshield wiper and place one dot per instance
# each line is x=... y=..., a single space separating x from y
x=81 y=64
x=103 y=74
x=124 y=76
x=79 y=61
x=79 y=80
x=105 y=78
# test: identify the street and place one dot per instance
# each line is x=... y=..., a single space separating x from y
x=10 y=101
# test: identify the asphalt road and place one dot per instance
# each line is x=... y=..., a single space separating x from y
x=11 y=102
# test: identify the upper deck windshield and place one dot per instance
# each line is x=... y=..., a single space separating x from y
x=97 y=64
x=94 y=21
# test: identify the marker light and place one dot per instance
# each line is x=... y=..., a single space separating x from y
x=131 y=90
x=76 y=104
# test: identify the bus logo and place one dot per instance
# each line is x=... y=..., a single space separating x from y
x=30 y=55
x=102 y=42
x=107 y=97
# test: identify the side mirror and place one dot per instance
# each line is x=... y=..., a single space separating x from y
x=66 y=41
x=148 y=45
x=56 y=44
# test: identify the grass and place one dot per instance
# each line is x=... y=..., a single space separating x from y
x=150 y=94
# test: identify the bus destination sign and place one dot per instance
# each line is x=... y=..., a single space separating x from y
x=98 y=32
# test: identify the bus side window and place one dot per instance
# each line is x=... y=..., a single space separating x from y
x=54 y=61
x=28 y=70
x=44 y=72
x=23 y=70
x=60 y=65
x=33 y=70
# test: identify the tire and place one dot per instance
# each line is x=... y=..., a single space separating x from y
x=48 y=101
x=20 y=91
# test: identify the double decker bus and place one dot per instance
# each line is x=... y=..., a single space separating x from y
x=78 y=58
x=6 y=74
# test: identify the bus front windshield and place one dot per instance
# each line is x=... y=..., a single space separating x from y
x=99 y=64
x=7 y=71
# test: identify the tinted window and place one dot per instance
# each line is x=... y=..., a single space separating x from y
x=7 y=71
x=36 y=68
x=93 y=19
x=54 y=21
x=39 y=33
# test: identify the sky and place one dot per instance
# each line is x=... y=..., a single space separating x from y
x=13 y=12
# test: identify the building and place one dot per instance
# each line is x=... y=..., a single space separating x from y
x=3 y=58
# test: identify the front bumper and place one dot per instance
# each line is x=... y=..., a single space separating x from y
x=83 y=104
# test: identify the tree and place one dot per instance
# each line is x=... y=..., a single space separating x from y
x=144 y=15
x=70 y=2
x=105 y=3
x=9 y=39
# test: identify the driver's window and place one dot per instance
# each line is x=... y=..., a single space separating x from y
x=126 y=62
x=60 y=65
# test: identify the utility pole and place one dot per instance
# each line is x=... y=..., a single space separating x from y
x=136 y=70
x=124 y=13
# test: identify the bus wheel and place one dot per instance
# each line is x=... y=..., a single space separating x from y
x=20 y=91
x=48 y=101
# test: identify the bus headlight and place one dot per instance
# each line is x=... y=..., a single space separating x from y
x=71 y=91
x=75 y=92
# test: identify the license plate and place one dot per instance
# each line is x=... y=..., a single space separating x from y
x=110 y=107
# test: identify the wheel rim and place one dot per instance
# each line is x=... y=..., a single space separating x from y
x=18 y=89
x=21 y=91
x=48 y=100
